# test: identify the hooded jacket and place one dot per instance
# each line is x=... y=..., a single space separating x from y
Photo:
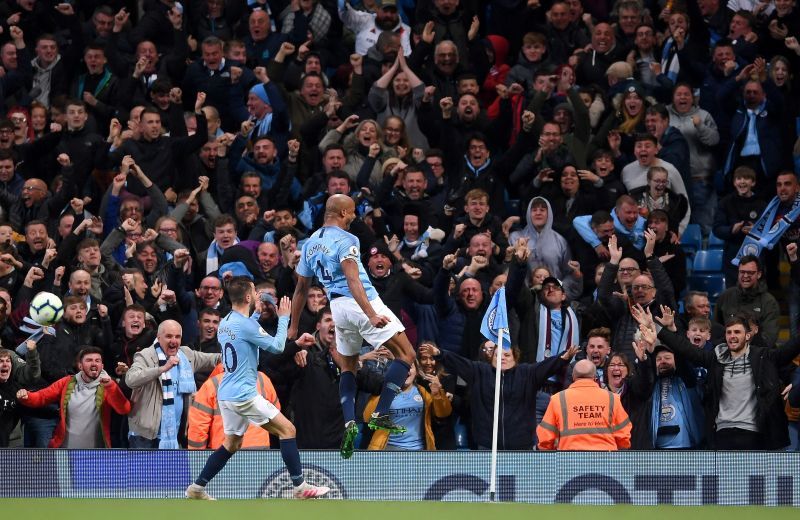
x=547 y=247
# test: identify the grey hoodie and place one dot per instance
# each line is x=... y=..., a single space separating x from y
x=700 y=138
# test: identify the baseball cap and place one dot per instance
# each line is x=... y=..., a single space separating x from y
x=389 y=3
x=552 y=280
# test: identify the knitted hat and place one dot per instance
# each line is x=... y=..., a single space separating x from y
x=261 y=93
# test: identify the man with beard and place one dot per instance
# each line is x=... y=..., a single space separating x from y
x=744 y=408
x=240 y=403
x=591 y=65
x=278 y=178
x=598 y=349
x=368 y=26
x=86 y=400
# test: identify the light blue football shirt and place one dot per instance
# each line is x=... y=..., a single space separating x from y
x=241 y=338
x=322 y=256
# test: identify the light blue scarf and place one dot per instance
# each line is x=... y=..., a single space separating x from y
x=170 y=410
x=764 y=232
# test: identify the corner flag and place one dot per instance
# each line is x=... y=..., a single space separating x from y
x=496 y=319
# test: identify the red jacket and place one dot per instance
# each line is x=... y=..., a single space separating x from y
x=57 y=392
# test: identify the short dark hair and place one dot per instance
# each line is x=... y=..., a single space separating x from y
x=85 y=351
x=238 y=288
x=738 y=320
x=134 y=307
x=641 y=136
x=322 y=312
x=600 y=217
x=209 y=310
x=600 y=332
x=746 y=259
x=658 y=109
x=224 y=220
x=87 y=242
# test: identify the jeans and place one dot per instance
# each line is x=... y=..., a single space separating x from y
x=38 y=431
x=137 y=442
x=542 y=402
x=703 y=202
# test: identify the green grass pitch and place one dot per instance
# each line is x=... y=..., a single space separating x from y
x=145 y=509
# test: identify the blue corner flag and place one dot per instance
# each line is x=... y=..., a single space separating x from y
x=496 y=318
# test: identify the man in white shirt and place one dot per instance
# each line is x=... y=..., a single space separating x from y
x=368 y=26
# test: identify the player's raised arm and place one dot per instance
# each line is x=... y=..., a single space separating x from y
x=298 y=302
x=350 y=270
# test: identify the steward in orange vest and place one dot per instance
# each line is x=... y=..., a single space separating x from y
x=584 y=417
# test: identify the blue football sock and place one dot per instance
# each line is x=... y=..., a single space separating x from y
x=393 y=381
x=347 y=395
x=214 y=465
x=291 y=457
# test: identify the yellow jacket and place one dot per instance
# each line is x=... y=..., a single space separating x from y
x=438 y=405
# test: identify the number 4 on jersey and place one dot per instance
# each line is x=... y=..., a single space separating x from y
x=326 y=275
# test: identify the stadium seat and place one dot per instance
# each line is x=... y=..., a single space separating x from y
x=713 y=284
x=709 y=261
x=692 y=239
x=714 y=242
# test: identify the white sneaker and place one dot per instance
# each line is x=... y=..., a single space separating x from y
x=196 y=492
x=305 y=491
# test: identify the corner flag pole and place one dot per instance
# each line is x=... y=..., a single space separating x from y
x=495 y=424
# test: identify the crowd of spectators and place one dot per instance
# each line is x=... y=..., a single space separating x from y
x=149 y=151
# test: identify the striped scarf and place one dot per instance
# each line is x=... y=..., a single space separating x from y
x=170 y=417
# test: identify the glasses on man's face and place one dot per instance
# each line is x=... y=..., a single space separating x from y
x=747 y=273
x=642 y=287
x=31 y=188
x=628 y=269
x=210 y=288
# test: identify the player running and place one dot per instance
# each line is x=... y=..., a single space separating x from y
x=333 y=256
x=240 y=404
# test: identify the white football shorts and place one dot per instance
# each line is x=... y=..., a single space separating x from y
x=353 y=327
x=237 y=416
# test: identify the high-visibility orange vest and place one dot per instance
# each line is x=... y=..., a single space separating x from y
x=584 y=417
x=205 y=430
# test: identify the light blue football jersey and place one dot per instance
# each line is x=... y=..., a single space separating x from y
x=322 y=256
x=241 y=338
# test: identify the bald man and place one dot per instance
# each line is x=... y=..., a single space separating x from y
x=584 y=417
x=333 y=256
x=162 y=379
x=35 y=202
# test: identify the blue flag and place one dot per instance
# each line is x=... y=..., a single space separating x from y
x=496 y=318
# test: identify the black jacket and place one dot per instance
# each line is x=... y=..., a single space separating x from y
x=518 y=386
x=766 y=363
